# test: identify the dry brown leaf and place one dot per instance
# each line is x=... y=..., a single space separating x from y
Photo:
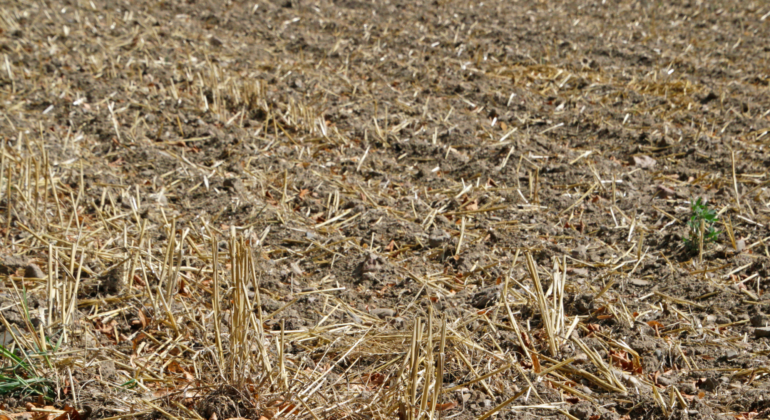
x=71 y=413
x=143 y=319
x=535 y=363
x=655 y=324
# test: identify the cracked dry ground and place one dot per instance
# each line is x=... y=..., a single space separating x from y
x=386 y=163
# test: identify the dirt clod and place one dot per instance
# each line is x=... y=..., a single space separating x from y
x=437 y=238
x=111 y=283
x=485 y=298
x=233 y=184
x=9 y=264
x=583 y=410
x=33 y=271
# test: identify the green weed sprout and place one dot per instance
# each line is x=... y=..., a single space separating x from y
x=701 y=212
x=18 y=377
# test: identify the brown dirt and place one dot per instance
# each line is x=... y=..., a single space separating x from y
x=407 y=155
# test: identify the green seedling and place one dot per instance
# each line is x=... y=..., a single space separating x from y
x=701 y=213
x=18 y=378
x=17 y=374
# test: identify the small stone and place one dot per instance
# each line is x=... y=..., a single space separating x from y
x=6 y=337
x=33 y=271
x=740 y=245
x=580 y=358
x=758 y=321
x=763 y=332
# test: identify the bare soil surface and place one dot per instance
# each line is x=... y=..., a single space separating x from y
x=384 y=209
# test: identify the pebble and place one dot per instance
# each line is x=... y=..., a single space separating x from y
x=762 y=332
x=730 y=354
x=758 y=321
x=580 y=358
